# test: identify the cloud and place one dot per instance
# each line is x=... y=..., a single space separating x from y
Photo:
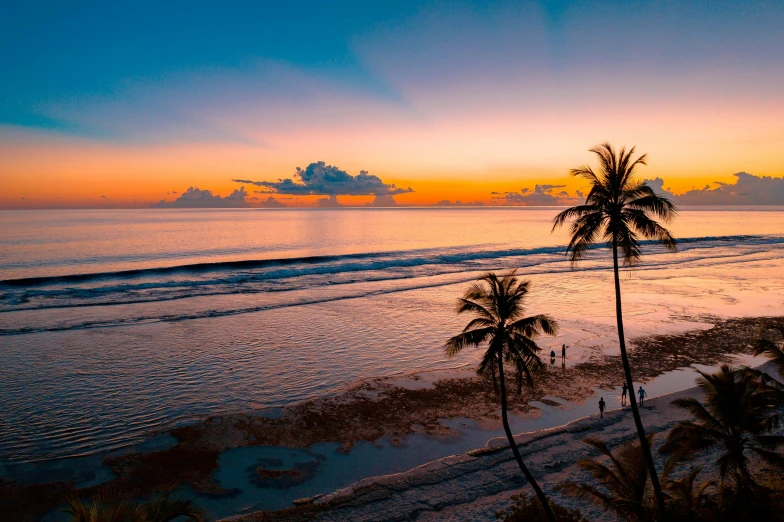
x=327 y=180
x=541 y=195
x=104 y=197
x=458 y=203
x=195 y=198
x=748 y=189
x=271 y=202
x=330 y=202
x=384 y=200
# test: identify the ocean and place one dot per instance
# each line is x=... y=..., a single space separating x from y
x=118 y=323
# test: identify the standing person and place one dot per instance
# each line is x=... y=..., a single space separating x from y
x=642 y=395
x=563 y=353
x=601 y=407
x=623 y=394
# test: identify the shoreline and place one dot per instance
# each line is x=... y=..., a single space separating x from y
x=478 y=483
x=378 y=408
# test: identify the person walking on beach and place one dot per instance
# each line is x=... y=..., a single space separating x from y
x=623 y=394
x=601 y=407
x=642 y=395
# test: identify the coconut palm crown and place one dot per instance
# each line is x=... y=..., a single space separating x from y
x=623 y=481
x=618 y=209
x=738 y=417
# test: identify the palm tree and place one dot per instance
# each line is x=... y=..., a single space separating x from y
x=624 y=481
x=770 y=348
x=738 y=417
x=498 y=306
x=620 y=210
x=108 y=507
x=689 y=497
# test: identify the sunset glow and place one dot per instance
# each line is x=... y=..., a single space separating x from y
x=455 y=104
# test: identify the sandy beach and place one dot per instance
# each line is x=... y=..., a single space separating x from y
x=477 y=484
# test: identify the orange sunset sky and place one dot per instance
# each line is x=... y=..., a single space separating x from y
x=455 y=103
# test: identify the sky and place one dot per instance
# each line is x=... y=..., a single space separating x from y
x=202 y=104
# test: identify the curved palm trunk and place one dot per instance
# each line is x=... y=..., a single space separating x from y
x=646 y=449
x=531 y=480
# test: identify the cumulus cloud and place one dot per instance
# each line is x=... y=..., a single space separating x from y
x=384 y=200
x=327 y=180
x=541 y=195
x=196 y=198
x=271 y=202
x=748 y=189
x=329 y=202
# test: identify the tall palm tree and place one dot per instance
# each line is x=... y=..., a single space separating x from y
x=738 y=417
x=623 y=482
x=498 y=306
x=620 y=210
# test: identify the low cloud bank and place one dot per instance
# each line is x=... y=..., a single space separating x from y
x=196 y=198
x=330 y=202
x=458 y=203
x=748 y=189
x=541 y=195
x=271 y=202
x=383 y=200
x=320 y=179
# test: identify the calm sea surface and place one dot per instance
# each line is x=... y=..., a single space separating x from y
x=115 y=323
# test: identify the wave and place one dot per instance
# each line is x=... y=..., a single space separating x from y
x=399 y=258
x=292 y=282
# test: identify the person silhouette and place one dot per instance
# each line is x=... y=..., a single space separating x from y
x=601 y=407
x=563 y=353
x=552 y=356
x=624 y=391
x=642 y=395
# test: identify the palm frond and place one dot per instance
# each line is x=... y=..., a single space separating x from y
x=470 y=338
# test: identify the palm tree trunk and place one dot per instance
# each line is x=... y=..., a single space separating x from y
x=531 y=480
x=646 y=449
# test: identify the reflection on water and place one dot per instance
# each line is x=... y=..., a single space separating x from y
x=81 y=375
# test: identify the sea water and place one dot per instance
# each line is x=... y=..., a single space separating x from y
x=115 y=324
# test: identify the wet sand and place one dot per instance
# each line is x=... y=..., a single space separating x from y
x=393 y=408
x=477 y=484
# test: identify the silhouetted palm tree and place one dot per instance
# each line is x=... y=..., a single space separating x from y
x=498 y=306
x=624 y=482
x=689 y=499
x=110 y=508
x=738 y=417
x=770 y=347
x=620 y=210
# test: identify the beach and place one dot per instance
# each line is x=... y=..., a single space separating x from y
x=213 y=460
x=245 y=380
x=477 y=484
